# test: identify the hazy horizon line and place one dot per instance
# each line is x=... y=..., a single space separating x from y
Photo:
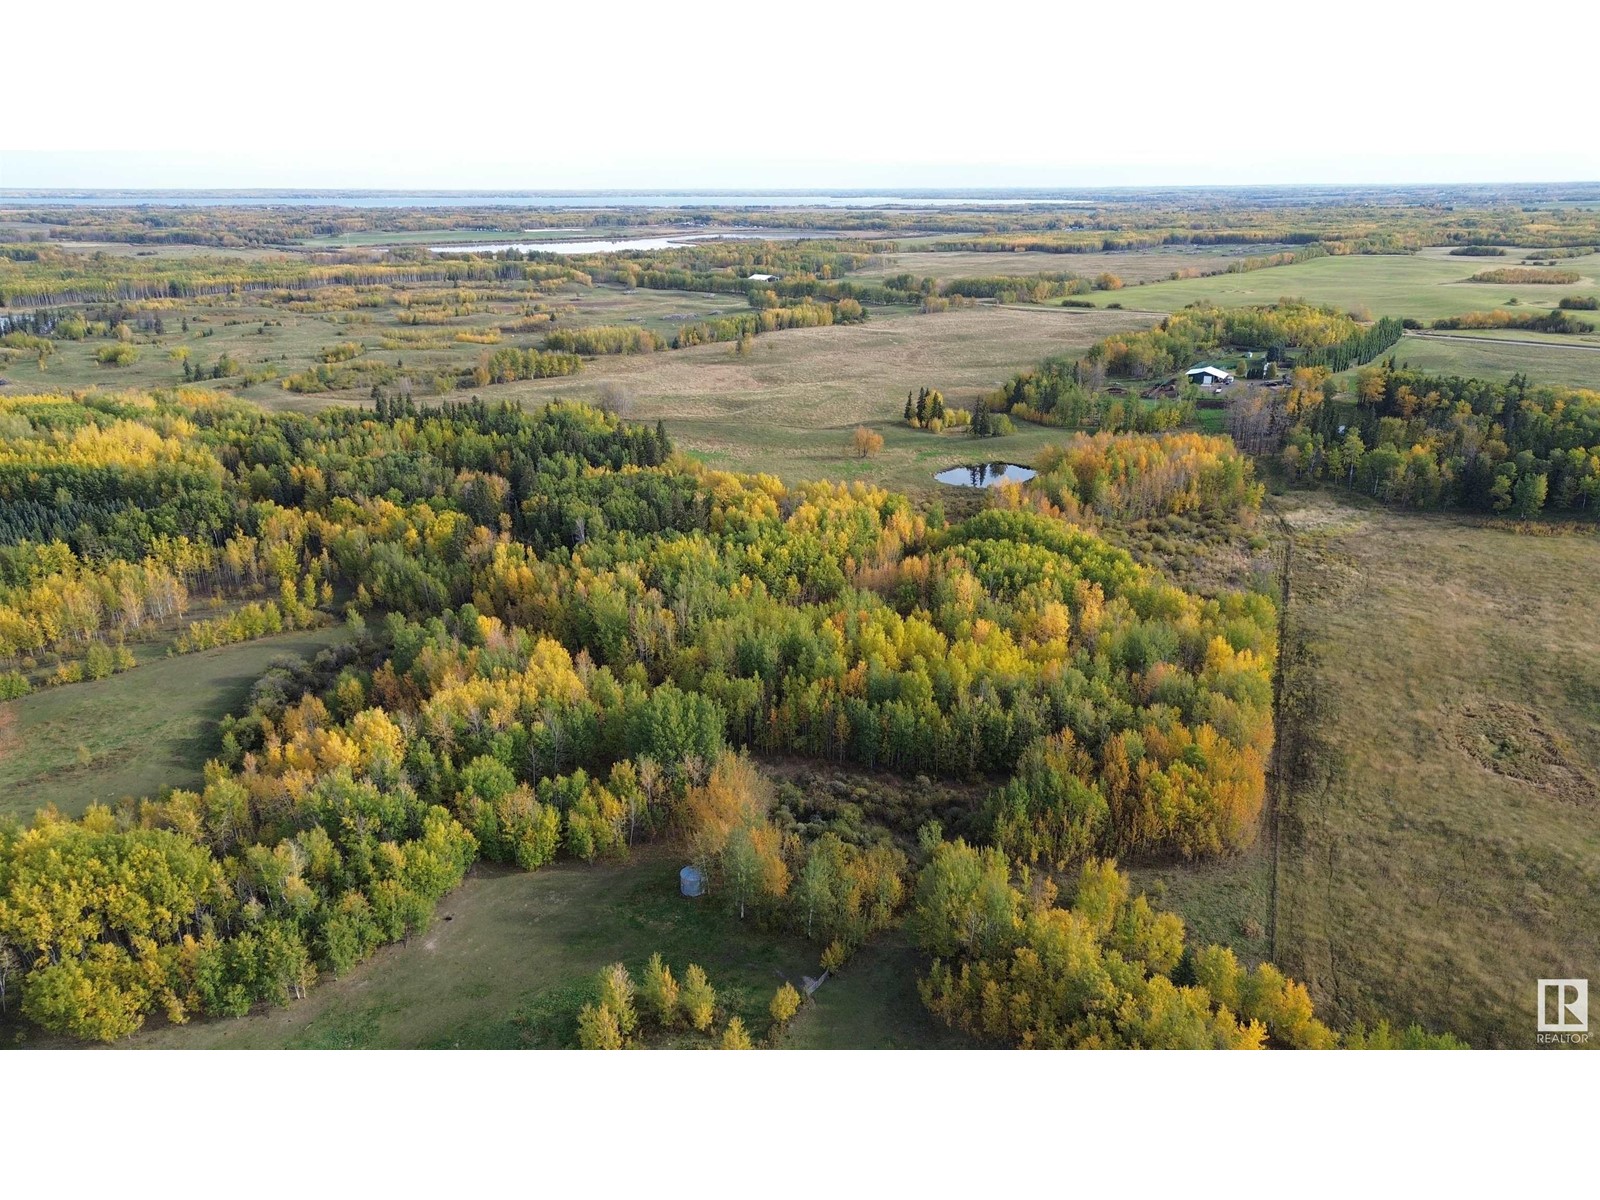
x=808 y=189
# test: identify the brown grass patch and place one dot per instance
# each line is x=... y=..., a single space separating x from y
x=1513 y=741
x=8 y=731
x=1450 y=860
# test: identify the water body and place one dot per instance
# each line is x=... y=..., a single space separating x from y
x=617 y=199
x=597 y=246
x=982 y=475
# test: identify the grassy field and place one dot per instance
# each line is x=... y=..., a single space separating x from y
x=510 y=958
x=1131 y=266
x=788 y=407
x=1425 y=286
x=1457 y=858
x=132 y=734
x=1575 y=363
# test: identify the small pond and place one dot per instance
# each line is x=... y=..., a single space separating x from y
x=982 y=475
x=594 y=245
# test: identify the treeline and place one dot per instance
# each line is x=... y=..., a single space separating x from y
x=1362 y=346
x=925 y=409
x=626 y=1016
x=1555 y=321
x=1552 y=253
x=58 y=277
x=604 y=339
x=739 y=326
x=1089 y=241
x=1524 y=275
x=293 y=610
x=1027 y=289
x=509 y=364
x=1259 y=262
x=1428 y=441
x=715 y=329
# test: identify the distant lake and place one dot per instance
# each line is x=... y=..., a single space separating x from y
x=618 y=199
x=598 y=245
x=982 y=475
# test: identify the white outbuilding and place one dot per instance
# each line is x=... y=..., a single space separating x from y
x=1208 y=376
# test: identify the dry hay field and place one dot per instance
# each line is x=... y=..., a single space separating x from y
x=788 y=407
x=1453 y=857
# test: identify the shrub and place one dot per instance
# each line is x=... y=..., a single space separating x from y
x=865 y=442
x=119 y=355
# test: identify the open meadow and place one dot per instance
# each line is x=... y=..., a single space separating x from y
x=1454 y=857
x=135 y=733
x=787 y=408
x=1574 y=361
x=1424 y=286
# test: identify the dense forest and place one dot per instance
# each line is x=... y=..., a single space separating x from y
x=1425 y=441
x=1320 y=336
x=591 y=626
x=34 y=277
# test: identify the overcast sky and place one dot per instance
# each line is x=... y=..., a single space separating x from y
x=473 y=96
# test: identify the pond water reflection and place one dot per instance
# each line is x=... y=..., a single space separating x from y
x=982 y=475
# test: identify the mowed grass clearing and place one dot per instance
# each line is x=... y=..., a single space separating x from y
x=132 y=734
x=511 y=957
x=1575 y=363
x=1457 y=860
